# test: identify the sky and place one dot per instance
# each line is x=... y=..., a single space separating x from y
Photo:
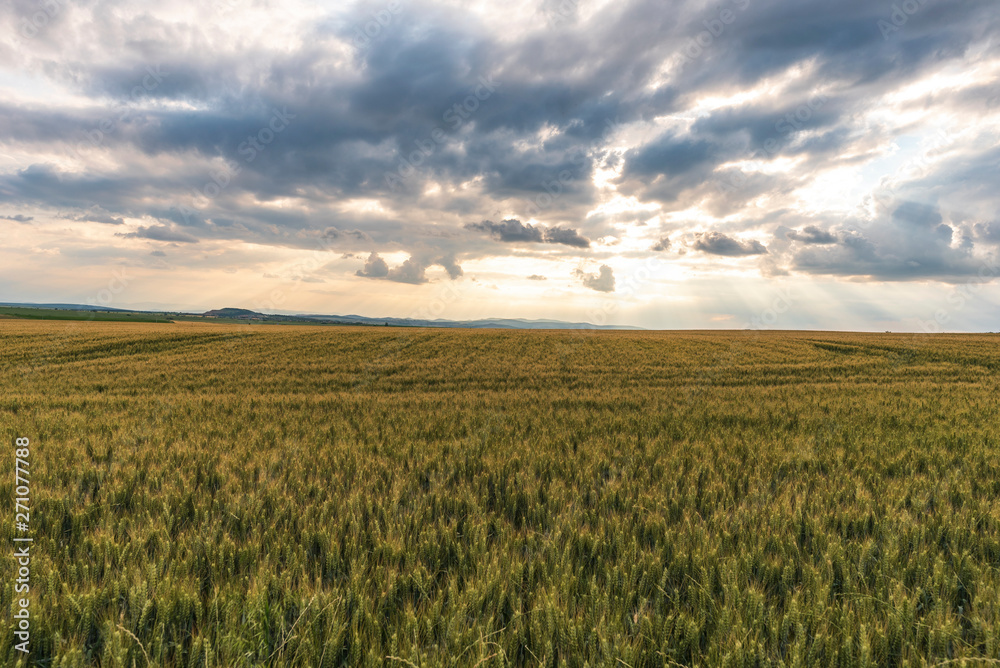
x=814 y=164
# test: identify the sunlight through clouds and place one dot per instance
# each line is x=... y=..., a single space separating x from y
x=709 y=138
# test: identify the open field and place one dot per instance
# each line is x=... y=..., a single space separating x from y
x=212 y=495
x=32 y=313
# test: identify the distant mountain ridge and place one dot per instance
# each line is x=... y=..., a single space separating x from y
x=69 y=307
x=486 y=323
x=232 y=313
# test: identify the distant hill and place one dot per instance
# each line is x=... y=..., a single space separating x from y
x=487 y=323
x=67 y=312
x=66 y=307
x=46 y=311
x=233 y=313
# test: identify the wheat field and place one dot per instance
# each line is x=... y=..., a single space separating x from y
x=222 y=495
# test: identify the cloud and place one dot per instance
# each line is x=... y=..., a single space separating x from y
x=159 y=233
x=670 y=156
x=716 y=243
x=917 y=215
x=158 y=253
x=567 y=237
x=97 y=217
x=509 y=231
x=537 y=277
x=449 y=264
x=561 y=117
x=375 y=267
x=913 y=242
x=603 y=281
x=989 y=232
x=812 y=235
x=334 y=233
x=411 y=271
x=514 y=231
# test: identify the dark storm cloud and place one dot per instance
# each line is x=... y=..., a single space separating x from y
x=567 y=237
x=440 y=99
x=916 y=214
x=844 y=38
x=509 y=231
x=773 y=124
x=159 y=233
x=97 y=217
x=413 y=76
x=716 y=243
x=843 y=46
x=334 y=233
x=988 y=231
x=669 y=156
x=669 y=166
x=860 y=256
x=114 y=194
x=909 y=244
x=514 y=231
x=812 y=235
x=913 y=238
